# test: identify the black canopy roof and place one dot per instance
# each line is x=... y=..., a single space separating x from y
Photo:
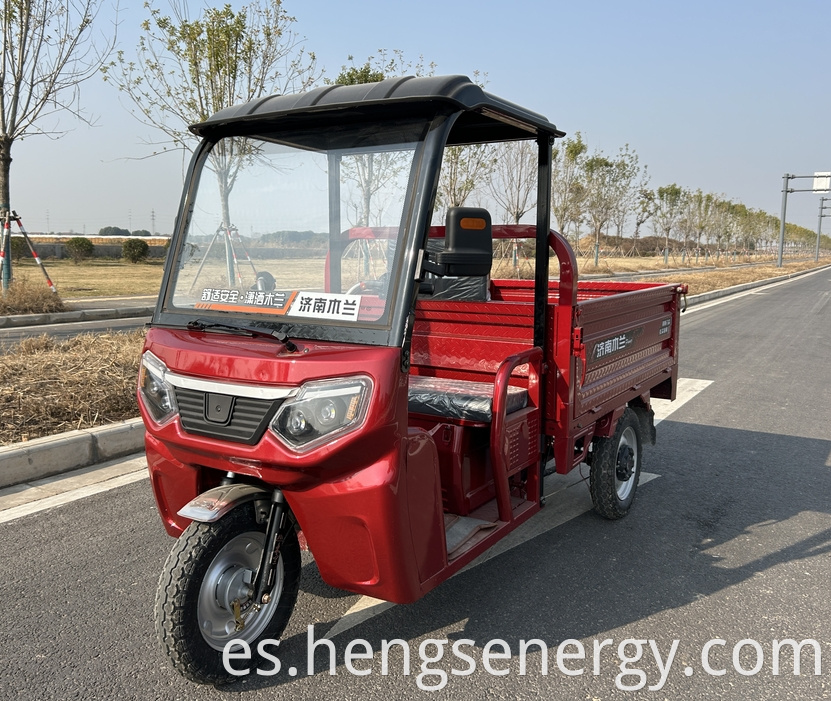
x=484 y=117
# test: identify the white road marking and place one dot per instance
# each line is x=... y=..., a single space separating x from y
x=566 y=499
x=685 y=390
x=88 y=490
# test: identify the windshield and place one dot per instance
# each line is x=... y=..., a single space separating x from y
x=297 y=233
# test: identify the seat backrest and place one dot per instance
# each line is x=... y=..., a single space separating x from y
x=468 y=243
x=473 y=288
x=468 y=340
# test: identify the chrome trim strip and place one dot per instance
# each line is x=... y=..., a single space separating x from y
x=237 y=390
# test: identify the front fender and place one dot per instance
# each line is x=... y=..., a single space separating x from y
x=212 y=505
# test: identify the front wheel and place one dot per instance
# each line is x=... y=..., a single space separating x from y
x=204 y=599
x=616 y=468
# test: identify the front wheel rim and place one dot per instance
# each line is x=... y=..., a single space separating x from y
x=626 y=463
x=230 y=576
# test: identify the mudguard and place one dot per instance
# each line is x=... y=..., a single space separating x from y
x=215 y=503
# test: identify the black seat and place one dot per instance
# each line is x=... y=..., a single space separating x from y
x=459 y=399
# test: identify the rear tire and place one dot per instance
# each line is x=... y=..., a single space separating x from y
x=616 y=468
x=210 y=565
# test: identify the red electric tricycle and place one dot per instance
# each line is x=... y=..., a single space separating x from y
x=330 y=359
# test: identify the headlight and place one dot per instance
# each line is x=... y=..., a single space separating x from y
x=322 y=410
x=155 y=391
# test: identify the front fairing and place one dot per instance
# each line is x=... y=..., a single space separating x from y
x=233 y=365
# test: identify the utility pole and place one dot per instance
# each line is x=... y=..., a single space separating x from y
x=822 y=183
x=822 y=208
x=152 y=222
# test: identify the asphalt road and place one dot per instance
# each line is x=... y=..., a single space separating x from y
x=731 y=542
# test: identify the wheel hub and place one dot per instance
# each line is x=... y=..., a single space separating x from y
x=234 y=584
x=625 y=466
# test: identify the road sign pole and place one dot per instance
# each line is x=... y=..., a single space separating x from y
x=819 y=226
x=785 y=179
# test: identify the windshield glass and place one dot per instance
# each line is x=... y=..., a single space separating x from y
x=299 y=232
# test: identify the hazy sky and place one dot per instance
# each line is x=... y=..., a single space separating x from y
x=724 y=96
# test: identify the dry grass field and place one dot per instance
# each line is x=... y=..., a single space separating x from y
x=105 y=278
x=729 y=277
x=49 y=386
x=94 y=278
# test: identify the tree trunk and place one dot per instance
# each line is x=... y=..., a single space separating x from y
x=5 y=205
x=224 y=195
x=5 y=168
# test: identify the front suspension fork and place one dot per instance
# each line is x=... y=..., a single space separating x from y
x=264 y=580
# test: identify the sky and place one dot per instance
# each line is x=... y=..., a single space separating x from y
x=723 y=96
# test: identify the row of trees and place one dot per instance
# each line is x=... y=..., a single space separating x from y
x=118 y=231
x=593 y=195
x=604 y=199
x=611 y=197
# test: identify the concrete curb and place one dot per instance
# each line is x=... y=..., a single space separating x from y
x=43 y=457
x=18 y=320
x=52 y=455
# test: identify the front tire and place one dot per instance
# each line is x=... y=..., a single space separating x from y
x=212 y=566
x=616 y=468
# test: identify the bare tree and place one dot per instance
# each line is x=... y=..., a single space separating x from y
x=568 y=189
x=720 y=221
x=600 y=194
x=188 y=69
x=370 y=173
x=628 y=180
x=515 y=179
x=48 y=51
x=463 y=169
x=669 y=206
x=644 y=208
x=700 y=210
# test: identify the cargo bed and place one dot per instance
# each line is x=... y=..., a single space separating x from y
x=608 y=345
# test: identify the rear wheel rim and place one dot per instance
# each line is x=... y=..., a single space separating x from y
x=626 y=464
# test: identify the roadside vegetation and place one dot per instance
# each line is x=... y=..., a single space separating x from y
x=26 y=297
x=49 y=386
x=699 y=283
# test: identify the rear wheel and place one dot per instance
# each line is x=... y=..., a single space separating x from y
x=616 y=468
x=204 y=599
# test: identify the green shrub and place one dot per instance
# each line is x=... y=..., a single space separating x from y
x=79 y=249
x=135 y=250
x=19 y=248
